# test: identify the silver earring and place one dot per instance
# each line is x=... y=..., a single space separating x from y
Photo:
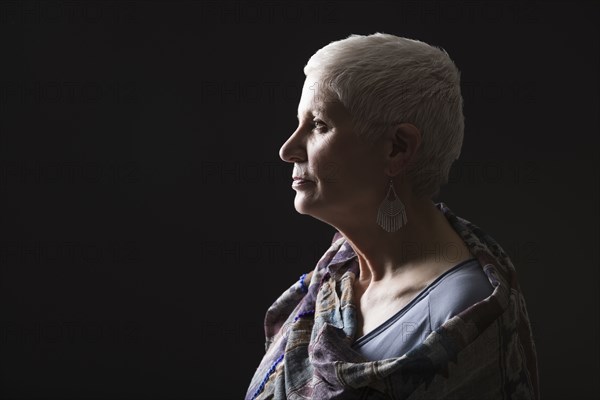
x=391 y=215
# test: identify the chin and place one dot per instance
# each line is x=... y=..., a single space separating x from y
x=306 y=203
x=301 y=207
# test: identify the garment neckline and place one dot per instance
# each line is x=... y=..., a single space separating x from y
x=384 y=325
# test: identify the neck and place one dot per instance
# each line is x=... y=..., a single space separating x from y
x=426 y=239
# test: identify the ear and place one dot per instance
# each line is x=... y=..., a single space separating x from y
x=403 y=143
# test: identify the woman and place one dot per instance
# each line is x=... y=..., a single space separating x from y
x=410 y=301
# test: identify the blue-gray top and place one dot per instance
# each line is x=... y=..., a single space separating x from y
x=452 y=292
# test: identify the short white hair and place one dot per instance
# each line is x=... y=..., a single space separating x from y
x=384 y=79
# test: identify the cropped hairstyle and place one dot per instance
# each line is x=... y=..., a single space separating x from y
x=384 y=79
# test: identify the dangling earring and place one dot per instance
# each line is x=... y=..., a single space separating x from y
x=391 y=215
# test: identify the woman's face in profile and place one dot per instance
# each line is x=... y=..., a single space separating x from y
x=345 y=176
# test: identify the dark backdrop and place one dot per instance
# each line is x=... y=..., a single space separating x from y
x=147 y=221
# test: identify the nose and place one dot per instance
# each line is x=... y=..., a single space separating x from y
x=294 y=149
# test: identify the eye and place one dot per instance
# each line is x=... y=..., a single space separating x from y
x=319 y=126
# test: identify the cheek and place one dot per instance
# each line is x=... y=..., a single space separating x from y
x=346 y=175
x=324 y=164
x=346 y=168
x=331 y=168
x=360 y=177
x=329 y=172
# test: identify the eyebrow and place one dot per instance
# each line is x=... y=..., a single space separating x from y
x=316 y=112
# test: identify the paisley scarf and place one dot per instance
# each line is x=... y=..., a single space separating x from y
x=485 y=352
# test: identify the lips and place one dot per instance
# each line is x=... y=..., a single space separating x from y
x=301 y=179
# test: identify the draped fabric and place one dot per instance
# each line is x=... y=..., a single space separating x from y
x=485 y=352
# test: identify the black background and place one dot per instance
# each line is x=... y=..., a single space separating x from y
x=147 y=221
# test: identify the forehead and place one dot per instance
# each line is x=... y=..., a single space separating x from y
x=317 y=101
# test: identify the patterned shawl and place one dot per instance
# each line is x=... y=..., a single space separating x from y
x=485 y=352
